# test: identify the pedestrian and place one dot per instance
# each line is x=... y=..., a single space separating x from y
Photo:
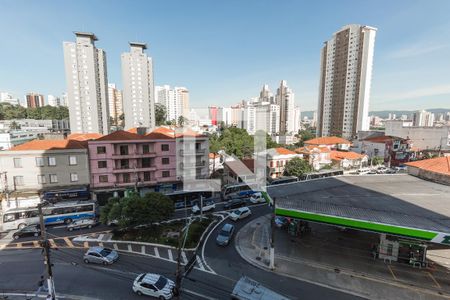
x=374 y=252
x=49 y=297
x=41 y=286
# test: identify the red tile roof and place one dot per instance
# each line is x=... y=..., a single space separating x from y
x=84 y=136
x=327 y=140
x=310 y=149
x=50 y=145
x=284 y=151
x=339 y=155
x=120 y=135
x=133 y=130
x=437 y=165
x=381 y=139
x=213 y=155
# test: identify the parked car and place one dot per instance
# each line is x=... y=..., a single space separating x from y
x=280 y=221
x=235 y=203
x=391 y=171
x=225 y=235
x=100 y=255
x=30 y=230
x=371 y=172
x=154 y=285
x=82 y=223
x=207 y=206
x=257 y=198
x=240 y=213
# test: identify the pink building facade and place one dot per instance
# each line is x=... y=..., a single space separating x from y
x=125 y=160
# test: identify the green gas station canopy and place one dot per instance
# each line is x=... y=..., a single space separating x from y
x=394 y=204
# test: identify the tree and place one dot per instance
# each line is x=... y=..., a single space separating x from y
x=304 y=135
x=160 y=114
x=181 y=120
x=297 y=167
x=377 y=161
x=136 y=210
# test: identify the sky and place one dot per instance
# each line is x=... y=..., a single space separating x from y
x=224 y=51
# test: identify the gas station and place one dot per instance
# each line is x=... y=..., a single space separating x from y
x=409 y=214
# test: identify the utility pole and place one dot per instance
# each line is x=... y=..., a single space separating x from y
x=272 y=239
x=46 y=251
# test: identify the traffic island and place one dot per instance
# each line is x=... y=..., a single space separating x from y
x=318 y=259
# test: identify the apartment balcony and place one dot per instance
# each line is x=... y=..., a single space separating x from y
x=133 y=155
x=195 y=165
x=193 y=152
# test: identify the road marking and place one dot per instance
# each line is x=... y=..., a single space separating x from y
x=115 y=247
x=434 y=280
x=143 y=249
x=100 y=244
x=36 y=244
x=52 y=243
x=86 y=245
x=156 y=252
x=199 y=262
x=18 y=245
x=206 y=240
x=392 y=272
x=183 y=255
x=198 y=295
x=129 y=248
x=100 y=236
x=2 y=246
x=170 y=254
x=69 y=242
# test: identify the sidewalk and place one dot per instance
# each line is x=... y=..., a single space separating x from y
x=324 y=258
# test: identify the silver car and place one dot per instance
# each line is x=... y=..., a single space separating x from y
x=82 y=223
x=100 y=255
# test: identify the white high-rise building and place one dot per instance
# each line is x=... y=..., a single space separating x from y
x=175 y=100
x=86 y=78
x=63 y=99
x=138 y=89
x=297 y=119
x=285 y=98
x=53 y=100
x=423 y=118
x=224 y=114
x=6 y=97
x=115 y=103
x=345 y=80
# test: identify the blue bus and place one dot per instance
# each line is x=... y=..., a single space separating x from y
x=64 y=195
x=66 y=212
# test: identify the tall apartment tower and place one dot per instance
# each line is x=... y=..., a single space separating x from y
x=175 y=100
x=86 y=77
x=138 y=90
x=115 y=104
x=35 y=100
x=285 y=99
x=345 y=79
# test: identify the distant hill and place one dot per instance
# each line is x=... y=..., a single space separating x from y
x=385 y=113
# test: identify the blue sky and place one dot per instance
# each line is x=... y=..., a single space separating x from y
x=224 y=51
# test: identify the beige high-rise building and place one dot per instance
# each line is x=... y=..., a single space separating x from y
x=115 y=104
x=345 y=79
x=35 y=100
x=138 y=90
x=175 y=100
x=86 y=79
x=285 y=98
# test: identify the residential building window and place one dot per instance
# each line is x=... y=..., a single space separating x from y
x=126 y=178
x=101 y=150
x=147 y=176
x=101 y=164
x=146 y=162
x=124 y=164
x=103 y=178
x=40 y=162
x=41 y=179
x=73 y=177
x=145 y=149
x=17 y=163
x=164 y=147
x=124 y=150
x=52 y=161
x=165 y=161
x=165 y=174
x=72 y=160
x=53 y=178
x=18 y=180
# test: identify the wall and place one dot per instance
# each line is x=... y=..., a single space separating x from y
x=424 y=174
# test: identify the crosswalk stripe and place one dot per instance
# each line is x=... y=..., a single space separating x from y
x=19 y=245
x=129 y=248
x=199 y=262
x=183 y=255
x=68 y=242
x=86 y=245
x=100 y=236
x=115 y=247
x=143 y=249
x=2 y=247
x=100 y=244
x=170 y=254
x=156 y=252
x=36 y=244
x=52 y=243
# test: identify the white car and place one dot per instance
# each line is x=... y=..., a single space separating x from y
x=82 y=223
x=240 y=213
x=154 y=285
x=257 y=198
x=207 y=206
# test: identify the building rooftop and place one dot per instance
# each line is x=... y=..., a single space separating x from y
x=119 y=136
x=283 y=151
x=437 y=165
x=327 y=140
x=396 y=204
x=86 y=34
x=382 y=139
x=240 y=168
x=138 y=44
x=50 y=145
x=340 y=155
x=312 y=149
x=84 y=136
